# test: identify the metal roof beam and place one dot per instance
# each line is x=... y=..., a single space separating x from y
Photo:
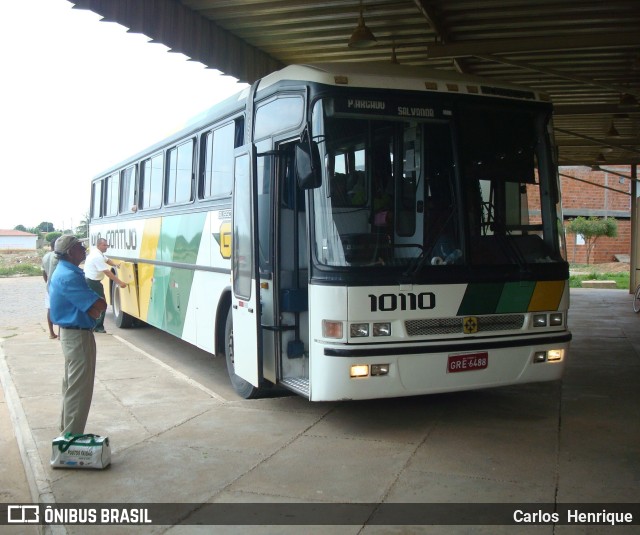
x=429 y=14
x=598 y=141
x=559 y=74
x=593 y=109
x=533 y=44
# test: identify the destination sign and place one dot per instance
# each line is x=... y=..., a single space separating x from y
x=381 y=106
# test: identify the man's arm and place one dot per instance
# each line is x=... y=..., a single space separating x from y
x=97 y=308
x=115 y=279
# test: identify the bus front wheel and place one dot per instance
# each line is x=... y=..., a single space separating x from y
x=243 y=388
x=121 y=319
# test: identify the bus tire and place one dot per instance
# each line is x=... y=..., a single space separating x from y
x=121 y=319
x=243 y=388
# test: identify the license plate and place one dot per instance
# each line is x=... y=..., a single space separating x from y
x=467 y=362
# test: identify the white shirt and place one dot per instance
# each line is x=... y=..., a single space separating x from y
x=49 y=264
x=95 y=264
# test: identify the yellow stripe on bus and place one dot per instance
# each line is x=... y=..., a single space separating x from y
x=148 y=250
x=546 y=296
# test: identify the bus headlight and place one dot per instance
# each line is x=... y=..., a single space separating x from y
x=554 y=355
x=362 y=370
x=540 y=320
x=382 y=329
x=359 y=330
x=540 y=356
x=379 y=369
x=359 y=370
x=556 y=319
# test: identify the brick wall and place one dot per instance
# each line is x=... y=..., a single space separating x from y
x=579 y=198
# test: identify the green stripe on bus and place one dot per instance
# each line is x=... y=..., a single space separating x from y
x=481 y=298
x=180 y=238
x=515 y=297
x=155 y=316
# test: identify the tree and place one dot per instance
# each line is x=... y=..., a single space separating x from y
x=51 y=236
x=593 y=228
x=20 y=227
x=82 y=230
x=46 y=226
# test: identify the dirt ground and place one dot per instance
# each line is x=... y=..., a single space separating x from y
x=608 y=267
x=15 y=257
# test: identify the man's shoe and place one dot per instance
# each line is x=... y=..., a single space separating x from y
x=99 y=330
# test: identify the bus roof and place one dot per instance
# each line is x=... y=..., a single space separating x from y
x=395 y=76
x=374 y=75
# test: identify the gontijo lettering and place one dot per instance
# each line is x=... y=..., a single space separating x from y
x=118 y=239
x=122 y=238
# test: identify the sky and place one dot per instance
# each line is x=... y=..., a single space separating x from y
x=77 y=96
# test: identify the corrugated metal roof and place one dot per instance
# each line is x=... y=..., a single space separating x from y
x=584 y=53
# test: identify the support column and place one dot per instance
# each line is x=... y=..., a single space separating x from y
x=634 y=275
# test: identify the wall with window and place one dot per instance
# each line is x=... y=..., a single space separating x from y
x=581 y=199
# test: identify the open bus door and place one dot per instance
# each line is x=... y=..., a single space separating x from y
x=246 y=339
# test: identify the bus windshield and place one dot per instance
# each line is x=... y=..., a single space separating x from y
x=423 y=193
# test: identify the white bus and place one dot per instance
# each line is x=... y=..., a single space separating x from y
x=351 y=232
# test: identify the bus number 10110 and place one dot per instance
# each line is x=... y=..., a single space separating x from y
x=402 y=301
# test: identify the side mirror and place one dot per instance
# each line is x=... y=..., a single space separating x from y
x=308 y=165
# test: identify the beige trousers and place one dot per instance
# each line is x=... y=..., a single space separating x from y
x=79 y=349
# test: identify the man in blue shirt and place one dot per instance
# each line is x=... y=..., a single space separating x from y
x=74 y=307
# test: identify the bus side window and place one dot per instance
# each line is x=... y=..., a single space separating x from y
x=128 y=185
x=96 y=199
x=112 y=192
x=180 y=173
x=217 y=162
x=151 y=181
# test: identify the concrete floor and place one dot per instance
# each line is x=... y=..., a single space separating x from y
x=176 y=441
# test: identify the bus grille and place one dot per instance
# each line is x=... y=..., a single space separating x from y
x=432 y=327
x=501 y=323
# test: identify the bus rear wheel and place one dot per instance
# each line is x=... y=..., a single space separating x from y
x=243 y=388
x=121 y=319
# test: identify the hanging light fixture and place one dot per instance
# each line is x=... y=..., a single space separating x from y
x=394 y=58
x=601 y=159
x=613 y=131
x=361 y=36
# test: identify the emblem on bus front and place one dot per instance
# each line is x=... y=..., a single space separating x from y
x=470 y=325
